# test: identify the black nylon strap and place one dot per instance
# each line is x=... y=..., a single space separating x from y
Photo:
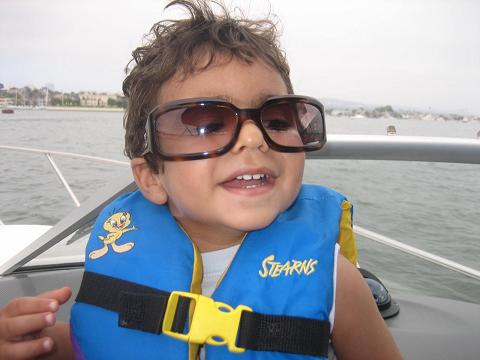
x=287 y=334
x=104 y=291
x=139 y=307
x=142 y=312
x=181 y=315
x=143 y=308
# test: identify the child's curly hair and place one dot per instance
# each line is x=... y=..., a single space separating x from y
x=181 y=47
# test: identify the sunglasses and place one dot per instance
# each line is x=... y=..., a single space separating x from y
x=195 y=129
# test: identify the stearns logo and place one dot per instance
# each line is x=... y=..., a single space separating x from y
x=273 y=268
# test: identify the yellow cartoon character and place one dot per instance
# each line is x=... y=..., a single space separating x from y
x=116 y=225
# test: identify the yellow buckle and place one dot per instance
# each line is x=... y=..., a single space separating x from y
x=211 y=320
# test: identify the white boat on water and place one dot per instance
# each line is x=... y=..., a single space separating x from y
x=426 y=327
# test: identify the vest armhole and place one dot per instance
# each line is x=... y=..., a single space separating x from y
x=331 y=315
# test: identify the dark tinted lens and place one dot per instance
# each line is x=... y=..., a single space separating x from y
x=311 y=124
x=293 y=123
x=194 y=129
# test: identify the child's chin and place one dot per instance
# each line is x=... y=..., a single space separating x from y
x=251 y=224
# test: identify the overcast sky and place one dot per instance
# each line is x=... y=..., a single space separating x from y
x=414 y=53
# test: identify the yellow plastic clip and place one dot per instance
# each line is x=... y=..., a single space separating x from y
x=214 y=323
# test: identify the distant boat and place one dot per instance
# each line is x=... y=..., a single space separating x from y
x=391 y=130
x=7 y=111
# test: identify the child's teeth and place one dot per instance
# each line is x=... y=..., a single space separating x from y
x=250 y=177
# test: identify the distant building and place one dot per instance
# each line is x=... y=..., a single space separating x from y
x=92 y=99
x=5 y=102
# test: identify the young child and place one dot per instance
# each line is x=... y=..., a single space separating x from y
x=217 y=142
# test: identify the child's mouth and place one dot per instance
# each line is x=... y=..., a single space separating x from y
x=248 y=181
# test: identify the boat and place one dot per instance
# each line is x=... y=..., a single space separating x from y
x=391 y=130
x=425 y=327
x=8 y=111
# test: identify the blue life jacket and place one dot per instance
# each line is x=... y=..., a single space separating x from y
x=286 y=269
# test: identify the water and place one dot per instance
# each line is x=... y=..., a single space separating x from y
x=427 y=205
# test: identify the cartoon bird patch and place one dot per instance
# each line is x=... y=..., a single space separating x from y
x=116 y=225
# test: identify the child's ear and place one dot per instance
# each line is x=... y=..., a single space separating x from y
x=148 y=181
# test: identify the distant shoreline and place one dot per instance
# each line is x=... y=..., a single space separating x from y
x=81 y=108
x=380 y=112
x=69 y=108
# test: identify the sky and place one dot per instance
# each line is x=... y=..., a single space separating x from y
x=422 y=54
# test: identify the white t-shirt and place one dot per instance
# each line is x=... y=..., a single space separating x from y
x=216 y=262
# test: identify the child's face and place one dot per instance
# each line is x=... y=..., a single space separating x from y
x=205 y=195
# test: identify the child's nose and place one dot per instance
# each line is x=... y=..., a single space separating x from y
x=250 y=137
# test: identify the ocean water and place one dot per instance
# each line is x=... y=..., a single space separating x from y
x=432 y=206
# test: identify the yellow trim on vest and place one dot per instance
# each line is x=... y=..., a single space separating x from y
x=346 y=236
x=197 y=276
x=196 y=288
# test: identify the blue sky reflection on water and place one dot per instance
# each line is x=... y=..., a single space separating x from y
x=423 y=54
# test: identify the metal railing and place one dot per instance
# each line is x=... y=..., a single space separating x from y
x=56 y=169
x=400 y=148
x=422 y=254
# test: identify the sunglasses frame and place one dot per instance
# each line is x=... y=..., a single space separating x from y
x=241 y=115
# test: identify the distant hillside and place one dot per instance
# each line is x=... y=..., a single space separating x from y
x=336 y=104
x=344 y=104
x=335 y=107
